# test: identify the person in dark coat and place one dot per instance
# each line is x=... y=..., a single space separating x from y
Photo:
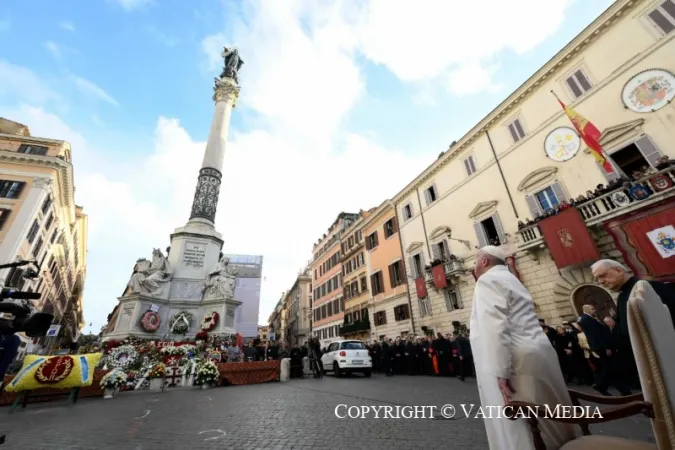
x=388 y=357
x=441 y=347
x=464 y=355
x=615 y=277
x=601 y=342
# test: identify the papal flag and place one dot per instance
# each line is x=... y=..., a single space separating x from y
x=589 y=133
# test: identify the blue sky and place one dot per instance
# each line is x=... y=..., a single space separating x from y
x=332 y=92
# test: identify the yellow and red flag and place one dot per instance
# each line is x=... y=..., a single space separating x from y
x=590 y=134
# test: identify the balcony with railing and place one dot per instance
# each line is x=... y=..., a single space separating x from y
x=452 y=267
x=609 y=205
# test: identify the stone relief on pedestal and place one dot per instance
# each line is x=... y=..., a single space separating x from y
x=149 y=277
x=221 y=281
x=186 y=290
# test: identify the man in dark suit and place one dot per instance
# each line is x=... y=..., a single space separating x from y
x=464 y=355
x=602 y=344
x=615 y=277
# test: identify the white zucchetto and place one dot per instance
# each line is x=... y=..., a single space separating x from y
x=494 y=251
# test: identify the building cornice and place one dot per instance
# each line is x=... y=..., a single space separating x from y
x=34 y=140
x=381 y=210
x=63 y=168
x=555 y=65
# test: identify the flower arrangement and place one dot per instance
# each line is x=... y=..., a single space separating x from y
x=210 y=321
x=158 y=371
x=114 y=380
x=202 y=336
x=181 y=322
x=206 y=373
x=123 y=356
x=172 y=350
x=150 y=321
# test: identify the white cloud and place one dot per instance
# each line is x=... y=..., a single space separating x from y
x=53 y=48
x=22 y=83
x=471 y=78
x=131 y=5
x=68 y=26
x=425 y=41
x=91 y=89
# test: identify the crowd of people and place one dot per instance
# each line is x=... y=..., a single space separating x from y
x=442 y=355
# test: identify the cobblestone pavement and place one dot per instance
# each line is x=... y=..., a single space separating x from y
x=299 y=414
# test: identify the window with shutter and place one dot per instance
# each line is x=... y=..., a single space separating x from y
x=578 y=84
x=407 y=212
x=500 y=229
x=470 y=165
x=364 y=284
x=533 y=205
x=649 y=150
x=435 y=250
x=663 y=17
x=559 y=192
x=377 y=242
x=33 y=149
x=413 y=267
x=517 y=131
x=480 y=234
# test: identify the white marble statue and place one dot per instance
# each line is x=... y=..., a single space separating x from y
x=221 y=281
x=149 y=277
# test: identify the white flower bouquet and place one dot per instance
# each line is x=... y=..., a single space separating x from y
x=113 y=380
x=206 y=373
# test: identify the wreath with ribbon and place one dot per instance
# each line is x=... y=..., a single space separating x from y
x=150 y=321
x=181 y=322
x=115 y=359
x=210 y=321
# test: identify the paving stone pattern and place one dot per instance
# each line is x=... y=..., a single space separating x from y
x=299 y=414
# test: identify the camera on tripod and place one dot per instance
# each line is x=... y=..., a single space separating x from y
x=24 y=320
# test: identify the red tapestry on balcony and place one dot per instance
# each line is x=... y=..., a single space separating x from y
x=568 y=239
x=645 y=238
x=421 y=287
x=440 y=280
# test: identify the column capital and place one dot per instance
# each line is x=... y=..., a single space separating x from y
x=225 y=89
x=43 y=183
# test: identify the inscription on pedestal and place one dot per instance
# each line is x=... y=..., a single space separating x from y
x=193 y=255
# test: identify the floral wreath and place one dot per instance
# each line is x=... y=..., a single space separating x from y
x=114 y=380
x=180 y=323
x=150 y=321
x=116 y=353
x=210 y=321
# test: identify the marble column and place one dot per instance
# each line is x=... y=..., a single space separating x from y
x=226 y=92
x=27 y=212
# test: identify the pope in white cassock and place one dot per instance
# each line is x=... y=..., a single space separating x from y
x=513 y=357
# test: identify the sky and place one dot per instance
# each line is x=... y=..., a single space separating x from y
x=342 y=104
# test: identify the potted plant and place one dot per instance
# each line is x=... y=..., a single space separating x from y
x=112 y=381
x=156 y=376
x=206 y=374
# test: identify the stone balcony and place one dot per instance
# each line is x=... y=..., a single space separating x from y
x=453 y=268
x=601 y=209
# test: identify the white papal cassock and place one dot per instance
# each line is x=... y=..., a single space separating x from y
x=508 y=342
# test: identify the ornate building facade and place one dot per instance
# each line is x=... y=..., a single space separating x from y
x=499 y=183
x=353 y=248
x=326 y=269
x=39 y=221
x=389 y=301
x=298 y=310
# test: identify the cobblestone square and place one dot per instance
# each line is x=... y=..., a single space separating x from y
x=299 y=414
